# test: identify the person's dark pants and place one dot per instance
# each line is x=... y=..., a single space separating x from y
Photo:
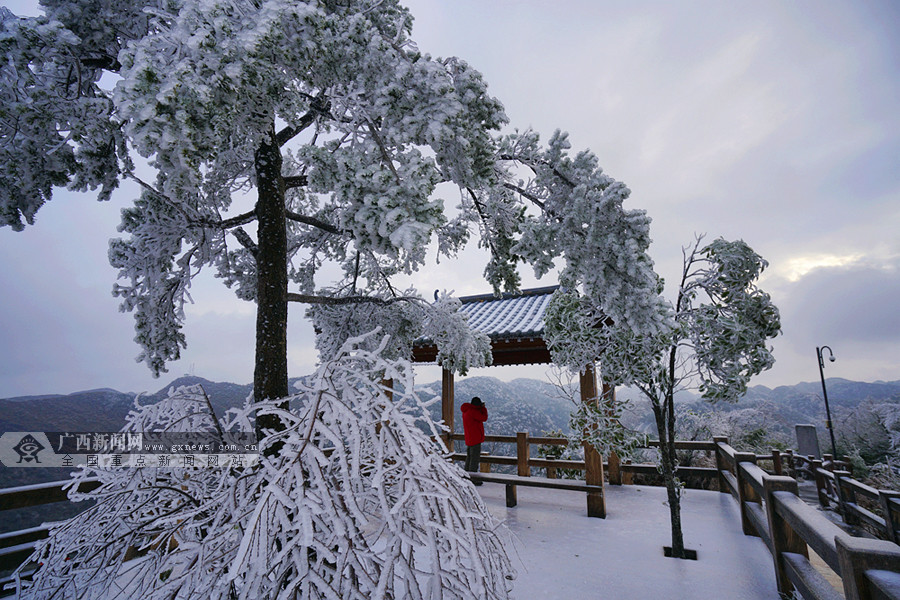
x=473 y=458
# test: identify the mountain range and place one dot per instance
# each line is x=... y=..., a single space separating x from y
x=529 y=405
x=519 y=405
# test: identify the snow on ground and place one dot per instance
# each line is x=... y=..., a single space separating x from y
x=562 y=553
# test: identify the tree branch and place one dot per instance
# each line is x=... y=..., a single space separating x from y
x=341 y=300
x=295 y=181
x=246 y=241
x=555 y=171
x=243 y=219
x=524 y=193
x=110 y=63
x=317 y=106
x=385 y=157
x=312 y=221
x=235 y=221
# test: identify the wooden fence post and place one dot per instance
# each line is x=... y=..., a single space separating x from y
x=845 y=495
x=777 y=467
x=790 y=463
x=746 y=493
x=593 y=475
x=522 y=454
x=615 y=469
x=858 y=555
x=720 y=463
x=816 y=464
x=891 y=518
x=784 y=538
x=447 y=404
x=593 y=462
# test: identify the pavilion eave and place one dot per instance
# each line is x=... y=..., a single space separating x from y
x=506 y=351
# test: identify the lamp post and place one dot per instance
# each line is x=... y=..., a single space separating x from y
x=828 y=424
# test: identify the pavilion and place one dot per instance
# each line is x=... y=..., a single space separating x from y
x=515 y=325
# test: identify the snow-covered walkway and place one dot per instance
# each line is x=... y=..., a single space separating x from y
x=564 y=554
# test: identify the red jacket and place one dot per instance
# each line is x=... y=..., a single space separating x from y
x=473 y=422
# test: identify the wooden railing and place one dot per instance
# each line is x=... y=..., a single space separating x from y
x=17 y=546
x=617 y=472
x=771 y=509
x=859 y=504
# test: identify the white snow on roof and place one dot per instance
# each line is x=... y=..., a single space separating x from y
x=562 y=553
x=509 y=316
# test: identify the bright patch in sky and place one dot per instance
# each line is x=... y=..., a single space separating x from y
x=795 y=268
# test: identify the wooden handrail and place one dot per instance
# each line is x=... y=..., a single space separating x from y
x=755 y=476
x=812 y=526
x=698 y=445
x=553 y=465
x=41 y=493
x=770 y=508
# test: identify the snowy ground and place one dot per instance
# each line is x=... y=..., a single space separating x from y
x=564 y=554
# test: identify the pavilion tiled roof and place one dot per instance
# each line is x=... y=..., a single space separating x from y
x=513 y=322
x=511 y=315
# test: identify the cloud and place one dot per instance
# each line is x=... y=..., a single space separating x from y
x=856 y=303
x=797 y=267
x=768 y=122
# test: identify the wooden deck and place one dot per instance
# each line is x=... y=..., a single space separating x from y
x=562 y=554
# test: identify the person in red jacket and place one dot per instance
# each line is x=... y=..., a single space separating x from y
x=474 y=414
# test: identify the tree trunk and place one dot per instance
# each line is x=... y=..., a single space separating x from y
x=270 y=378
x=669 y=462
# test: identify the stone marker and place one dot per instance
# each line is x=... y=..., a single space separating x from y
x=807 y=441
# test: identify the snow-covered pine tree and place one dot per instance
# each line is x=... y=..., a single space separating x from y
x=340 y=125
x=334 y=514
x=310 y=133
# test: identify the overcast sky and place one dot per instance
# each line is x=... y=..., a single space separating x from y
x=774 y=122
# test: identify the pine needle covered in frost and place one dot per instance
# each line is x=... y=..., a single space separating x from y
x=359 y=502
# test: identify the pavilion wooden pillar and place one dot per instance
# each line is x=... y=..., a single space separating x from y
x=615 y=465
x=447 y=398
x=593 y=462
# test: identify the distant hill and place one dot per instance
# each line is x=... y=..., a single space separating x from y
x=785 y=406
x=519 y=405
x=92 y=410
x=841 y=392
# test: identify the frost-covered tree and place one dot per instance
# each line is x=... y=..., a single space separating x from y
x=334 y=514
x=287 y=136
x=322 y=117
x=310 y=133
x=715 y=339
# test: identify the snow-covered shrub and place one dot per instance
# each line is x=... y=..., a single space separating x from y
x=358 y=503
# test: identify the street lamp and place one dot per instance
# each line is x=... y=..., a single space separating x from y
x=828 y=425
